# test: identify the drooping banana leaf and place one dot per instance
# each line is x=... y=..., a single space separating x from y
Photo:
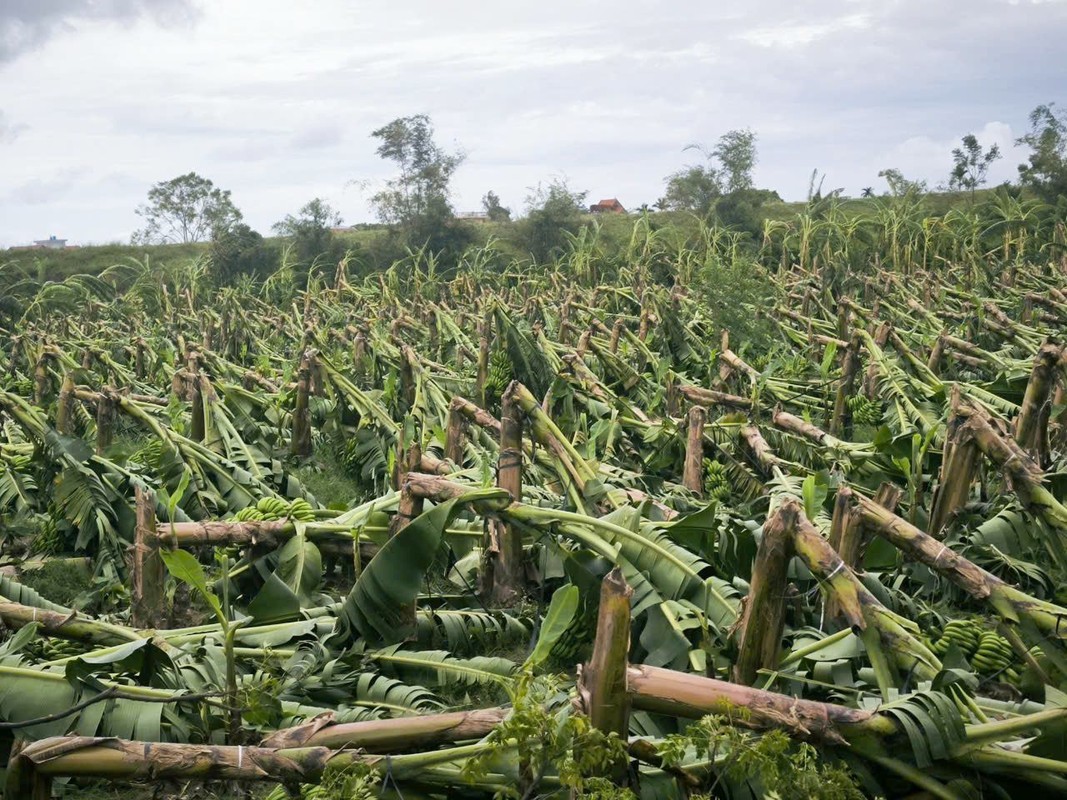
x=379 y=607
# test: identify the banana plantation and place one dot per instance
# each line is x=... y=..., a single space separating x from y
x=704 y=517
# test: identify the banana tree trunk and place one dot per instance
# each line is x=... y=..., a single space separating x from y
x=300 y=444
x=602 y=681
x=64 y=411
x=105 y=420
x=148 y=573
x=682 y=694
x=1026 y=476
x=850 y=366
x=1031 y=426
x=760 y=629
x=1011 y=603
x=503 y=576
x=960 y=461
x=693 y=471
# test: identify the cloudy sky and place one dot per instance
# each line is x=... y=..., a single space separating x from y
x=275 y=99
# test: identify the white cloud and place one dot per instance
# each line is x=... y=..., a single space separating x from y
x=9 y=131
x=276 y=100
x=931 y=159
x=796 y=33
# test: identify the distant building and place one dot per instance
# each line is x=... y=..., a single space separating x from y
x=612 y=206
x=473 y=216
x=51 y=243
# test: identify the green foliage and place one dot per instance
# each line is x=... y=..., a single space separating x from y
x=189 y=208
x=379 y=607
x=184 y=566
x=741 y=209
x=310 y=235
x=63 y=581
x=1046 y=168
x=493 y=207
x=553 y=213
x=561 y=612
x=971 y=164
x=736 y=152
x=727 y=170
x=417 y=202
x=240 y=251
x=736 y=293
x=770 y=761
x=899 y=186
x=693 y=188
x=350 y=782
x=550 y=742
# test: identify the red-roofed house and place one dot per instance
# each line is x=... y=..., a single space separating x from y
x=612 y=206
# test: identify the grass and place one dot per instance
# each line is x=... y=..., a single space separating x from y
x=61 y=580
x=46 y=265
x=152 y=791
x=56 y=265
x=325 y=477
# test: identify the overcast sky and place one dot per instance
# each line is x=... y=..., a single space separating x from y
x=275 y=99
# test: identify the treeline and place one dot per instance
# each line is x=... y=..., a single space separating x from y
x=417 y=225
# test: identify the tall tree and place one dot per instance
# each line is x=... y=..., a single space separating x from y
x=971 y=164
x=1046 y=168
x=736 y=152
x=694 y=188
x=553 y=212
x=241 y=251
x=493 y=207
x=189 y=208
x=423 y=186
x=417 y=200
x=899 y=186
x=310 y=230
x=727 y=169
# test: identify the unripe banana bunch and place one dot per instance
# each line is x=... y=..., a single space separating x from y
x=51 y=649
x=1055 y=676
x=994 y=656
x=349 y=455
x=574 y=641
x=716 y=481
x=301 y=510
x=274 y=508
x=48 y=541
x=864 y=410
x=964 y=633
x=499 y=375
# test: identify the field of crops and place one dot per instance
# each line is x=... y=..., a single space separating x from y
x=547 y=531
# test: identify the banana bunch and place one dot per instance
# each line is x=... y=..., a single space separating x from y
x=1043 y=661
x=575 y=642
x=48 y=541
x=964 y=633
x=864 y=410
x=500 y=374
x=274 y=508
x=990 y=653
x=994 y=657
x=301 y=510
x=53 y=649
x=716 y=482
x=348 y=454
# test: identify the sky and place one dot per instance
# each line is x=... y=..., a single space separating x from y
x=275 y=100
